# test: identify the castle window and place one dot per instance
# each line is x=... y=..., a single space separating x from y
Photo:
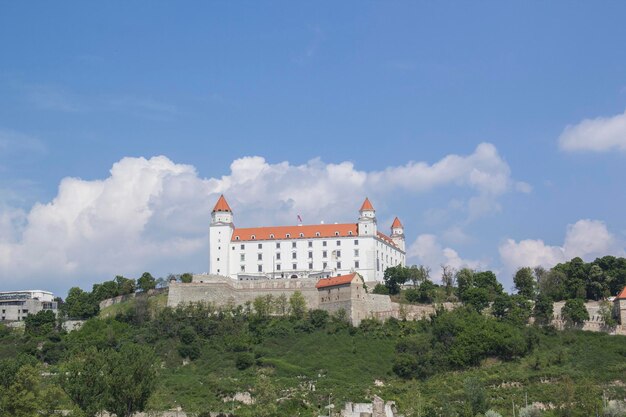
x=324 y=243
x=218 y=259
x=350 y=232
x=287 y=235
x=294 y=255
x=278 y=267
x=324 y=265
x=260 y=246
x=356 y=252
x=293 y=244
x=260 y=256
x=260 y=268
x=310 y=244
x=253 y=237
x=242 y=246
x=272 y=236
x=356 y=242
x=242 y=257
x=338 y=265
x=243 y=268
x=310 y=265
x=336 y=233
x=310 y=255
x=219 y=248
x=277 y=245
x=317 y=234
x=278 y=255
x=233 y=248
x=338 y=253
x=356 y=264
x=324 y=254
x=339 y=243
x=301 y=234
x=294 y=266
x=236 y=237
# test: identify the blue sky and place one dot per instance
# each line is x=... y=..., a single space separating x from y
x=377 y=85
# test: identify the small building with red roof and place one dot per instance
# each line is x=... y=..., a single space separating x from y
x=302 y=250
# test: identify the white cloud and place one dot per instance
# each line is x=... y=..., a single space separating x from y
x=585 y=238
x=599 y=134
x=427 y=251
x=152 y=214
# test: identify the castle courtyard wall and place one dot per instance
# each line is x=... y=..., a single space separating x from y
x=223 y=291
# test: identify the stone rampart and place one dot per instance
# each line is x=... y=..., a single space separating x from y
x=223 y=291
x=121 y=298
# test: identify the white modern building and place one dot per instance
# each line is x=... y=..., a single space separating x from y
x=301 y=251
x=16 y=305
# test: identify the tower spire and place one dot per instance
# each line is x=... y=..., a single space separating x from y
x=221 y=205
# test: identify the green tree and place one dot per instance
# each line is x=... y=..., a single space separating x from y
x=606 y=314
x=543 y=311
x=381 y=289
x=525 y=283
x=475 y=396
x=130 y=379
x=574 y=311
x=146 y=282
x=394 y=277
x=125 y=285
x=477 y=298
x=83 y=380
x=447 y=278
x=21 y=398
x=263 y=305
x=186 y=278
x=297 y=305
x=40 y=324
x=80 y=304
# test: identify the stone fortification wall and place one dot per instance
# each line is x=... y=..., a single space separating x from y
x=594 y=324
x=224 y=291
x=121 y=298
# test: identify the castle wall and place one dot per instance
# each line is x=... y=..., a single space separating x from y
x=223 y=291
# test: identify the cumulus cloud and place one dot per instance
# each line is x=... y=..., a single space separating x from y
x=153 y=214
x=600 y=135
x=585 y=238
x=428 y=251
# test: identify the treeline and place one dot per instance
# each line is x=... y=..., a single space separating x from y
x=80 y=304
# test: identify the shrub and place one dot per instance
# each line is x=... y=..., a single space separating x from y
x=529 y=411
x=574 y=311
x=381 y=289
x=244 y=360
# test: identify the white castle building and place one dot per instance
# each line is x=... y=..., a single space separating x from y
x=302 y=251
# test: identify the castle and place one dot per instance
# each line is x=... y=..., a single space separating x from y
x=303 y=251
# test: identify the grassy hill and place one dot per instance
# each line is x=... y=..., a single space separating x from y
x=304 y=361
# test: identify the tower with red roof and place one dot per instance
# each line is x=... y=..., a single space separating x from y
x=220 y=233
x=397 y=233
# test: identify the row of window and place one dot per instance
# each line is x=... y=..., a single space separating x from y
x=294 y=255
x=294 y=244
x=288 y=235
x=295 y=266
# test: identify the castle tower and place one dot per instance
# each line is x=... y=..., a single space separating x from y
x=367 y=219
x=397 y=233
x=220 y=233
x=620 y=307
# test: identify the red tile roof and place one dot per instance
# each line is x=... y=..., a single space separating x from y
x=396 y=223
x=386 y=238
x=307 y=231
x=621 y=295
x=334 y=281
x=367 y=205
x=221 y=205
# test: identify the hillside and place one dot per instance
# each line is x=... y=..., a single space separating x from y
x=301 y=359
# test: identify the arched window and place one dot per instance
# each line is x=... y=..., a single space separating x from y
x=336 y=233
x=253 y=237
x=301 y=234
x=236 y=237
x=317 y=234
x=350 y=232
x=287 y=235
x=272 y=236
